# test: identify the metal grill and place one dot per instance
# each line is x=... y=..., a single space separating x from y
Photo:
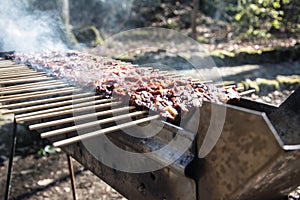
x=254 y=144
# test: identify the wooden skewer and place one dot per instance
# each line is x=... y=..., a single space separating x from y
x=33 y=89
x=68 y=107
x=3 y=61
x=34 y=93
x=22 y=77
x=39 y=95
x=21 y=74
x=28 y=85
x=240 y=88
x=78 y=118
x=247 y=92
x=18 y=73
x=225 y=83
x=14 y=69
x=49 y=105
x=178 y=76
x=90 y=124
x=44 y=101
x=229 y=86
x=25 y=80
x=65 y=112
x=201 y=82
x=102 y=131
x=12 y=65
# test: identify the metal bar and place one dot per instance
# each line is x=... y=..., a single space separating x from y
x=65 y=112
x=78 y=118
x=102 y=131
x=72 y=177
x=90 y=124
x=39 y=95
x=48 y=100
x=11 y=157
x=68 y=107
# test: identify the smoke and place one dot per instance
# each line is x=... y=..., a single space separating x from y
x=23 y=30
x=115 y=15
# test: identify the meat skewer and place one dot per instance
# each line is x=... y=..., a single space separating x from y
x=146 y=88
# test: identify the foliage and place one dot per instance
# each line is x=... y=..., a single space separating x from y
x=46 y=150
x=256 y=18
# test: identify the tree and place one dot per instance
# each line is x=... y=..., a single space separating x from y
x=64 y=10
x=194 y=18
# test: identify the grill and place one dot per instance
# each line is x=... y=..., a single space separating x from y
x=256 y=155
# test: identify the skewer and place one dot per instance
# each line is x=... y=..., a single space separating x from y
x=49 y=105
x=78 y=118
x=14 y=69
x=239 y=88
x=12 y=65
x=25 y=77
x=33 y=89
x=178 y=76
x=34 y=93
x=43 y=101
x=247 y=92
x=229 y=86
x=103 y=131
x=201 y=82
x=65 y=112
x=21 y=74
x=68 y=107
x=90 y=124
x=25 y=80
x=2 y=60
x=225 y=83
x=28 y=85
x=39 y=95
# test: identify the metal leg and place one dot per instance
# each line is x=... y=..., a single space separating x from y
x=71 y=171
x=11 y=157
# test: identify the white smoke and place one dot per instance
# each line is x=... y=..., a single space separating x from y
x=23 y=30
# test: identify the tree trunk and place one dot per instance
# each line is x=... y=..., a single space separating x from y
x=194 y=18
x=64 y=10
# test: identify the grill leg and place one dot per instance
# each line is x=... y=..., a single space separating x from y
x=71 y=171
x=11 y=157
